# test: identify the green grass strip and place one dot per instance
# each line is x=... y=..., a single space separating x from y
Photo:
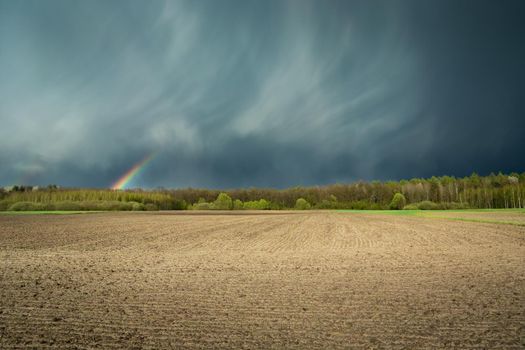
x=388 y=212
x=429 y=214
x=484 y=221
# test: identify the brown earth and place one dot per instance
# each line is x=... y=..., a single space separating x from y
x=297 y=280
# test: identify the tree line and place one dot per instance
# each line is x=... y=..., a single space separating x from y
x=445 y=192
x=23 y=198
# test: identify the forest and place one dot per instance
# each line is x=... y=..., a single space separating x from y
x=445 y=192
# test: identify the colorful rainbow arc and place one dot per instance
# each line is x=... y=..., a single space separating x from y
x=128 y=176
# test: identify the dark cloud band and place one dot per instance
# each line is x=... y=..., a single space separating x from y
x=251 y=93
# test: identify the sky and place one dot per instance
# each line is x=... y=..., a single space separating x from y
x=228 y=94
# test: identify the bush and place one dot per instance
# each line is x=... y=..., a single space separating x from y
x=455 y=206
x=330 y=204
x=427 y=205
x=5 y=204
x=93 y=205
x=398 y=202
x=80 y=205
x=113 y=205
x=326 y=204
x=261 y=204
x=137 y=206
x=179 y=204
x=359 y=205
x=275 y=206
x=26 y=206
x=302 y=204
x=223 y=202
x=202 y=206
x=150 y=207
x=251 y=205
x=377 y=206
x=67 y=205
x=264 y=204
x=237 y=204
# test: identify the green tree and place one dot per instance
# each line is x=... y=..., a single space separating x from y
x=263 y=204
x=223 y=202
x=398 y=202
x=237 y=204
x=302 y=204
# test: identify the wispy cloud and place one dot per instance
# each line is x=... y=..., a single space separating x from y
x=243 y=93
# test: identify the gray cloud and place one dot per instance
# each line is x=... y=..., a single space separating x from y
x=258 y=93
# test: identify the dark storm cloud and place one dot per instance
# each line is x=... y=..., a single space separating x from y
x=259 y=93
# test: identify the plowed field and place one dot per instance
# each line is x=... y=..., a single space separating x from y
x=299 y=280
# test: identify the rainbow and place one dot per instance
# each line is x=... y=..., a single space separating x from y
x=125 y=179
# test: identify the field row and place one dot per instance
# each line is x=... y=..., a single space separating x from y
x=273 y=280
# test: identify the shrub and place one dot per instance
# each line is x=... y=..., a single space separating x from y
x=67 y=205
x=5 y=204
x=261 y=204
x=427 y=205
x=264 y=204
x=377 y=206
x=48 y=206
x=455 y=205
x=253 y=205
x=325 y=204
x=302 y=204
x=150 y=207
x=275 y=206
x=110 y=205
x=93 y=205
x=237 y=204
x=329 y=204
x=360 y=205
x=137 y=206
x=202 y=206
x=179 y=204
x=26 y=206
x=223 y=202
x=398 y=202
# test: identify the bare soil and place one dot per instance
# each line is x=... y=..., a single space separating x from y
x=300 y=280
